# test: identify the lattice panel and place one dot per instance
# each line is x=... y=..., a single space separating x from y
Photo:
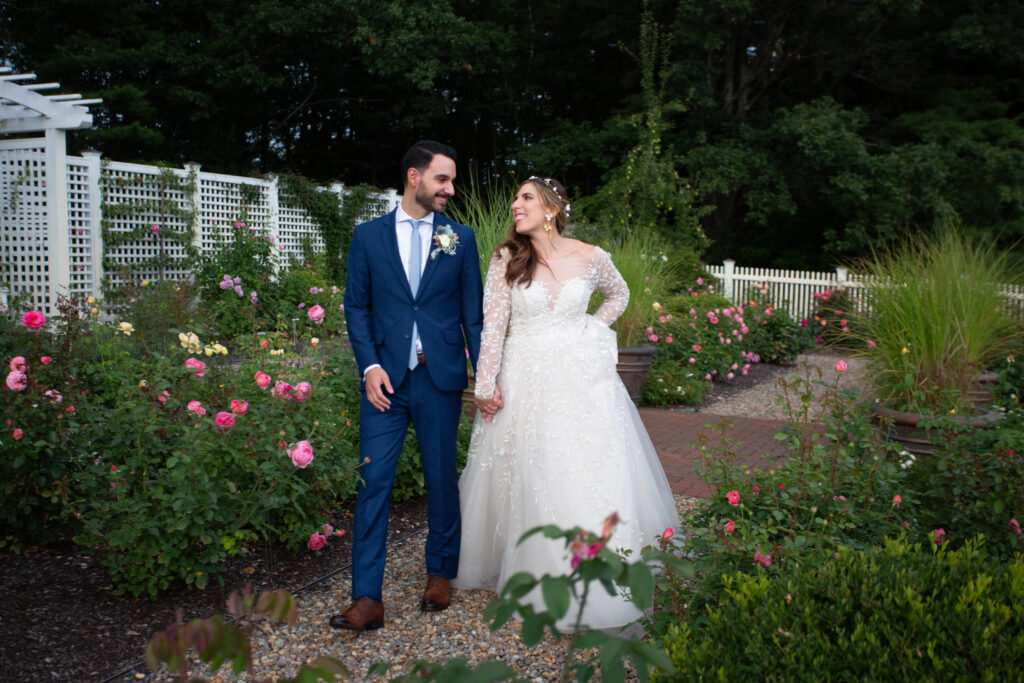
x=24 y=243
x=139 y=189
x=82 y=281
x=222 y=204
x=293 y=224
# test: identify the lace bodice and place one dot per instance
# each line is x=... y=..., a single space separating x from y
x=556 y=299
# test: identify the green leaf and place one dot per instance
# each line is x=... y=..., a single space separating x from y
x=533 y=629
x=556 y=595
x=641 y=584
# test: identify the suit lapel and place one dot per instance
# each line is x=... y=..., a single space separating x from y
x=391 y=252
x=432 y=263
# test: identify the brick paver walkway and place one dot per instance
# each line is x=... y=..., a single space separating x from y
x=673 y=432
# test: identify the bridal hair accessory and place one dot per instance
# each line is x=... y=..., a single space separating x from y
x=446 y=242
x=550 y=184
x=547 y=225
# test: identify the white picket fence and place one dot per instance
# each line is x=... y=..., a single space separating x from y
x=51 y=217
x=794 y=290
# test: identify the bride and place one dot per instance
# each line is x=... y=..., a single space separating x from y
x=557 y=439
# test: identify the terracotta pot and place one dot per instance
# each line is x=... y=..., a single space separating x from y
x=633 y=366
x=903 y=428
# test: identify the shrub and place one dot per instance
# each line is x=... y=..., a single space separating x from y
x=835 y=320
x=891 y=613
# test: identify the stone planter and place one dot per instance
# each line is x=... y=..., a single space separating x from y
x=633 y=366
x=905 y=428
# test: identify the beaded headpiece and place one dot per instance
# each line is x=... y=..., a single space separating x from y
x=550 y=184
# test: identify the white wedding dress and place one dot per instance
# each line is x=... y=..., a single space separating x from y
x=568 y=448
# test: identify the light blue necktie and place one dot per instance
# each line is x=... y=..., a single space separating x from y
x=415 y=261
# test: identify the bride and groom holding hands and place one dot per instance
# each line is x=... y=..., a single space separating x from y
x=556 y=440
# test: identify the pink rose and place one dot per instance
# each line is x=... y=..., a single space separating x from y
x=730 y=526
x=897 y=499
x=302 y=391
x=17 y=381
x=1013 y=523
x=53 y=395
x=316 y=541
x=327 y=529
x=239 y=407
x=282 y=390
x=197 y=365
x=163 y=397
x=733 y=497
x=763 y=560
x=262 y=379
x=33 y=320
x=940 y=536
x=45 y=360
x=18 y=433
x=696 y=348
x=265 y=343
x=301 y=454
x=840 y=366
x=18 y=364
x=316 y=314
x=870 y=344
x=196 y=407
x=668 y=533
x=225 y=421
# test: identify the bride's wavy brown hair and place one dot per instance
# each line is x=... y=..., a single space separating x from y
x=523 y=259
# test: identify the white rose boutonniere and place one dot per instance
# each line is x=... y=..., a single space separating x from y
x=446 y=242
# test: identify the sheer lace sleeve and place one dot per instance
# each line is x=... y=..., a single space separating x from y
x=612 y=287
x=497 y=306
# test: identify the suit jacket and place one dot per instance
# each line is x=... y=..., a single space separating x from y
x=380 y=308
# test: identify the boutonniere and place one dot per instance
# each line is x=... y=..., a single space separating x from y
x=445 y=241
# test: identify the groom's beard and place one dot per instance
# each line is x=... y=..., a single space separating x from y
x=430 y=202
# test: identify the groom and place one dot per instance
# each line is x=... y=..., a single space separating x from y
x=413 y=305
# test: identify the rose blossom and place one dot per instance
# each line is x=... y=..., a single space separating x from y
x=225 y=421
x=733 y=497
x=265 y=343
x=33 y=320
x=164 y=396
x=45 y=360
x=17 y=381
x=262 y=379
x=197 y=365
x=730 y=526
x=897 y=499
x=668 y=533
x=196 y=407
x=840 y=366
x=316 y=541
x=282 y=390
x=327 y=529
x=763 y=560
x=1014 y=526
x=18 y=364
x=302 y=392
x=239 y=407
x=301 y=454
x=316 y=314
x=18 y=433
x=940 y=535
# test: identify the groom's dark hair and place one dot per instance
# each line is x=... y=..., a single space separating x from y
x=421 y=154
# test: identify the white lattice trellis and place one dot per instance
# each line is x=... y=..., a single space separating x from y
x=24 y=220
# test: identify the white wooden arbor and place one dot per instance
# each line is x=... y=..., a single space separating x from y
x=35 y=248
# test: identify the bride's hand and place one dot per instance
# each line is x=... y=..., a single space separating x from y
x=489 y=406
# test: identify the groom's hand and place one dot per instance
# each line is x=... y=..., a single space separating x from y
x=375 y=380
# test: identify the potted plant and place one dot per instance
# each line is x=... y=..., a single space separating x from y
x=936 y=318
x=648 y=273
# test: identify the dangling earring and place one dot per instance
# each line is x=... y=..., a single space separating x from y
x=547 y=226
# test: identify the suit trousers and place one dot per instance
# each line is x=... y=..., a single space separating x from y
x=435 y=416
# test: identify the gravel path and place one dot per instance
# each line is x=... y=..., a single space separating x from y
x=408 y=635
x=767 y=398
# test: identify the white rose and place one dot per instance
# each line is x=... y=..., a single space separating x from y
x=444 y=241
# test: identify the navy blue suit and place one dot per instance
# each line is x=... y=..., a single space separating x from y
x=380 y=310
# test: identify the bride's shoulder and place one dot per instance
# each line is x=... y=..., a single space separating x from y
x=582 y=249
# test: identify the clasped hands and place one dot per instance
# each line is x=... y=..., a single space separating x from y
x=489 y=406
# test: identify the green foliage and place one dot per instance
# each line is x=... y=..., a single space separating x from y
x=896 y=612
x=650 y=275
x=488 y=216
x=834 y=313
x=216 y=641
x=974 y=485
x=936 y=319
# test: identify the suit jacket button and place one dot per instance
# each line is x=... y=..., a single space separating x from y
x=408 y=336
x=415 y=308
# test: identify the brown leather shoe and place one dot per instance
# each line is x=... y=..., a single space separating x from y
x=365 y=614
x=438 y=594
